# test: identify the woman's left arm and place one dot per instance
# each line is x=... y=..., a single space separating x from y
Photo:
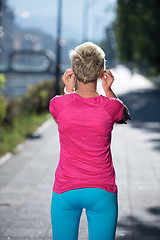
x=107 y=80
x=125 y=115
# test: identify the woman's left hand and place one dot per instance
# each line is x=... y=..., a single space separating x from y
x=69 y=80
x=107 y=80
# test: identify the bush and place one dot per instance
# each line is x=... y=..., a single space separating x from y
x=19 y=117
x=3 y=113
x=2 y=80
x=3 y=108
x=13 y=111
x=36 y=99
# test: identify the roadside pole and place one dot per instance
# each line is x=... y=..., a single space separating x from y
x=58 y=53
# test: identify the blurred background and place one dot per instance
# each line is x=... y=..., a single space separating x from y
x=36 y=36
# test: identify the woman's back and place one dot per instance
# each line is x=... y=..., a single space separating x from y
x=85 y=126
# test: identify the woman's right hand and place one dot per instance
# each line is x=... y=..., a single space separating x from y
x=69 y=80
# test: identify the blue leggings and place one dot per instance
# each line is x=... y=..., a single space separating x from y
x=101 y=210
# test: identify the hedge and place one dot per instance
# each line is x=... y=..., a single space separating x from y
x=35 y=102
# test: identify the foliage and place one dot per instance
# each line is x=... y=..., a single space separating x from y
x=3 y=108
x=138 y=34
x=20 y=116
x=13 y=111
x=2 y=80
x=37 y=97
x=35 y=100
x=23 y=127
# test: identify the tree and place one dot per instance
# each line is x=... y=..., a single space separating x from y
x=138 y=33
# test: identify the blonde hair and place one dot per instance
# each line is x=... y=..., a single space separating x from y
x=88 y=61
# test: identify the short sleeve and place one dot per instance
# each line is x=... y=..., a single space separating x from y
x=58 y=103
x=115 y=108
x=53 y=107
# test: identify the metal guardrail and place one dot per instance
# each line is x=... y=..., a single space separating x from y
x=30 y=62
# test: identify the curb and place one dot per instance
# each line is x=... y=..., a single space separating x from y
x=20 y=146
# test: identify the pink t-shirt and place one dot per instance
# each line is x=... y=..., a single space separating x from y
x=85 y=126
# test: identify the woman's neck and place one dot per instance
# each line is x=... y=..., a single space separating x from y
x=87 y=90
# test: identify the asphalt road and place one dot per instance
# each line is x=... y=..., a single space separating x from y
x=26 y=179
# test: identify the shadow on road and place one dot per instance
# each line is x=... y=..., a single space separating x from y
x=137 y=229
x=144 y=107
x=34 y=136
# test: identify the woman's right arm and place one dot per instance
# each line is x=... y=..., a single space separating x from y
x=69 y=80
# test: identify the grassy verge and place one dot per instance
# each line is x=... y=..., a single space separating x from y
x=22 y=127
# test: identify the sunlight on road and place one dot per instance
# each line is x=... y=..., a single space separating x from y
x=126 y=81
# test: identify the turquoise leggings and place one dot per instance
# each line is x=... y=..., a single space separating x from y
x=101 y=210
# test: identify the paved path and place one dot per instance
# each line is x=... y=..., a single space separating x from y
x=26 y=179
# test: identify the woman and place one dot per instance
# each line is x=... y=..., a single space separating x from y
x=85 y=176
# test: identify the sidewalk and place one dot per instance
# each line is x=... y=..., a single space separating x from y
x=26 y=179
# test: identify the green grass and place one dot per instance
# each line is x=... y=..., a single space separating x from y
x=23 y=126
